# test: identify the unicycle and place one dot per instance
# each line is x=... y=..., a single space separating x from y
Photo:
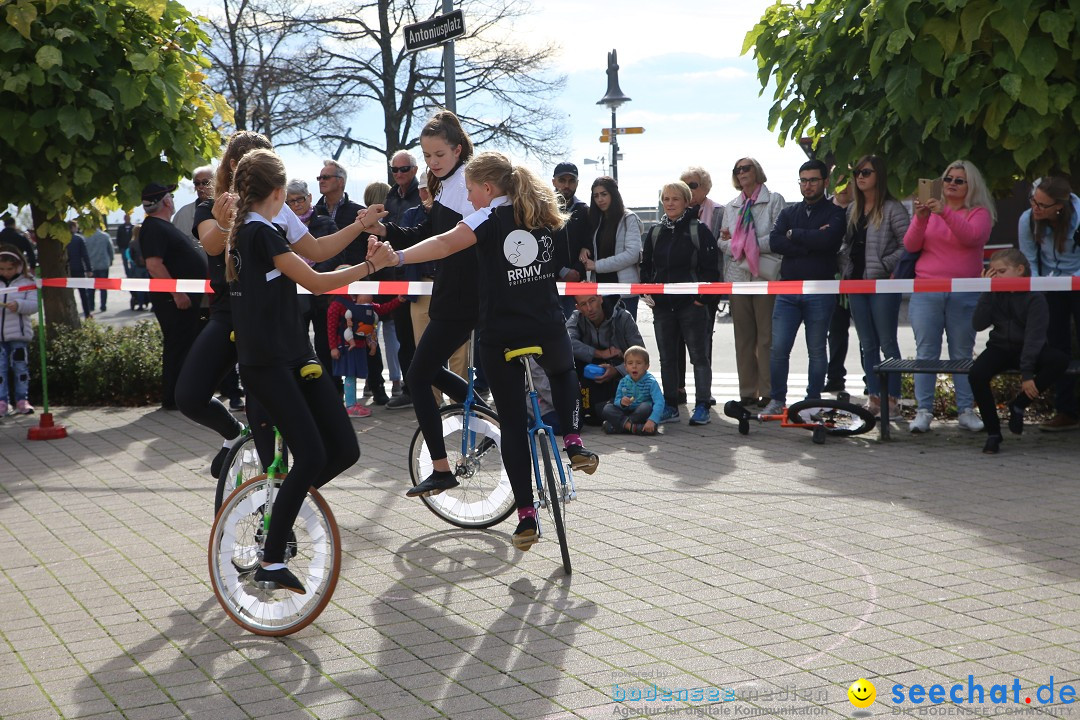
x=822 y=417
x=313 y=554
x=473 y=441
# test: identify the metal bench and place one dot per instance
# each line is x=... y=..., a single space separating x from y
x=934 y=367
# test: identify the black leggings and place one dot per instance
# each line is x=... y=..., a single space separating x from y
x=439 y=341
x=312 y=420
x=211 y=357
x=507 y=383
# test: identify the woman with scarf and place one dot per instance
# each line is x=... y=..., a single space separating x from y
x=744 y=241
x=872 y=247
x=680 y=249
x=616 y=240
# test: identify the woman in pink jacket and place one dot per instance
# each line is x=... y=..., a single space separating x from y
x=949 y=235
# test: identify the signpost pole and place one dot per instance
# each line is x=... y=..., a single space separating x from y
x=614 y=149
x=449 y=71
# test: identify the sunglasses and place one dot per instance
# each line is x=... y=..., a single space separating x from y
x=949 y=179
x=1044 y=206
x=742 y=168
x=402 y=169
x=693 y=185
x=865 y=172
x=320 y=178
x=202 y=183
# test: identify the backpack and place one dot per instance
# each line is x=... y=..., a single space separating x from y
x=695 y=240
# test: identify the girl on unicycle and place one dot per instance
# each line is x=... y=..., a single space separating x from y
x=272 y=346
x=516 y=214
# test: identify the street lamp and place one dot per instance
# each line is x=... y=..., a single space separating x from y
x=613 y=100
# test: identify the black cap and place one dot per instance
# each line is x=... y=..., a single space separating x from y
x=565 y=168
x=153 y=192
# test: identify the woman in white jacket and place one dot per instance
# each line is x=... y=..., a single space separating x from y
x=744 y=241
x=616 y=240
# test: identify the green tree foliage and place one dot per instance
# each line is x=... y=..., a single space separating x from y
x=924 y=83
x=98 y=98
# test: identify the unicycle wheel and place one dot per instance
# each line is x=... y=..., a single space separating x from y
x=313 y=555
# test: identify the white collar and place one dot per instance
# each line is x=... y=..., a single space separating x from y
x=496 y=202
x=256 y=217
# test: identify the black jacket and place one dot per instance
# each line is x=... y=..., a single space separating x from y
x=1019 y=319
x=123 y=237
x=667 y=256
x=573 y=236
x=811 y=252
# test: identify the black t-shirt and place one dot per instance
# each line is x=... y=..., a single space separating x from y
x=858 y=250
x=160 y=238
x=517 y=270
x=219 y=301
x=266 y=312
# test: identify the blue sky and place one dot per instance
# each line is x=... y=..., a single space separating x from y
x=696 y=97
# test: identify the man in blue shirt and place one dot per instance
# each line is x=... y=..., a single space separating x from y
x=808 y=235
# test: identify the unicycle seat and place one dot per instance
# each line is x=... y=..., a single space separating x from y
x=523 y=352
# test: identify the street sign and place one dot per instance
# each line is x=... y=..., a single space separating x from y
x=435 y=31
x=623 y=131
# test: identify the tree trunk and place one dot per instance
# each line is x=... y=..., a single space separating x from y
x=60 y=309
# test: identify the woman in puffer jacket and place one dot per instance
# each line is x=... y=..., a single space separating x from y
x=16 y=332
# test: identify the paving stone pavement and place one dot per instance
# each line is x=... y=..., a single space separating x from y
x=764 y=569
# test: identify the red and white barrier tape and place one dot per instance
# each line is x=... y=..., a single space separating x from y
x=778 y=287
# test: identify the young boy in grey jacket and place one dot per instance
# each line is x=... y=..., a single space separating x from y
x=1017 y=340
x=639 y=401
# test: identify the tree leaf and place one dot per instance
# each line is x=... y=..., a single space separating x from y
x=1057 y=24
x=20 y=16
x=1012 y=84
x=1035 y=94
x=10 y=41
x=100 y=99
x=1011 y=25
x=1039 y=57
x=972 y=18
x=48 y=57
x=145 y=62
x=945 y=30
x=75 y=122
x=154 y=8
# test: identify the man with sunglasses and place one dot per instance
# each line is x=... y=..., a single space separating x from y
x=202 y=179
x=808 y=235
x=335 y=202
x=403 y=195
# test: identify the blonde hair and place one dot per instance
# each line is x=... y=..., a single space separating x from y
x=258 y=174
x=977 y=195
x=535 y=204
x=376 y=193
x=638 y=351
x=679 y=187
x=240 y=144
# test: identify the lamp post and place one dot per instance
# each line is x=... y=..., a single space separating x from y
x=612 y=100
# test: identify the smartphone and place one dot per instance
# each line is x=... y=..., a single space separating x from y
x=929 y=189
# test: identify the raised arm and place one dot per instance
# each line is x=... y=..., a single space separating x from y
x=440 y=246
x=294 y=268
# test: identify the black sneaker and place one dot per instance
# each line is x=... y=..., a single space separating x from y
x=281 y=578
x=834 y=386
x=1016 y=420
x=582 y=459
x=218 y=461
x=610 y=429
x=435 y=483
x=404 y=400
x=526 y=536
x=993 y=445
x=379 y=397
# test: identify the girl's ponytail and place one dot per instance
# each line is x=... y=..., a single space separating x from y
x=258 y=174
x=534 y=201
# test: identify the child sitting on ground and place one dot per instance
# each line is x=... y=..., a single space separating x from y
x=351 y=323
x=1018 y=339
x=639 y=401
